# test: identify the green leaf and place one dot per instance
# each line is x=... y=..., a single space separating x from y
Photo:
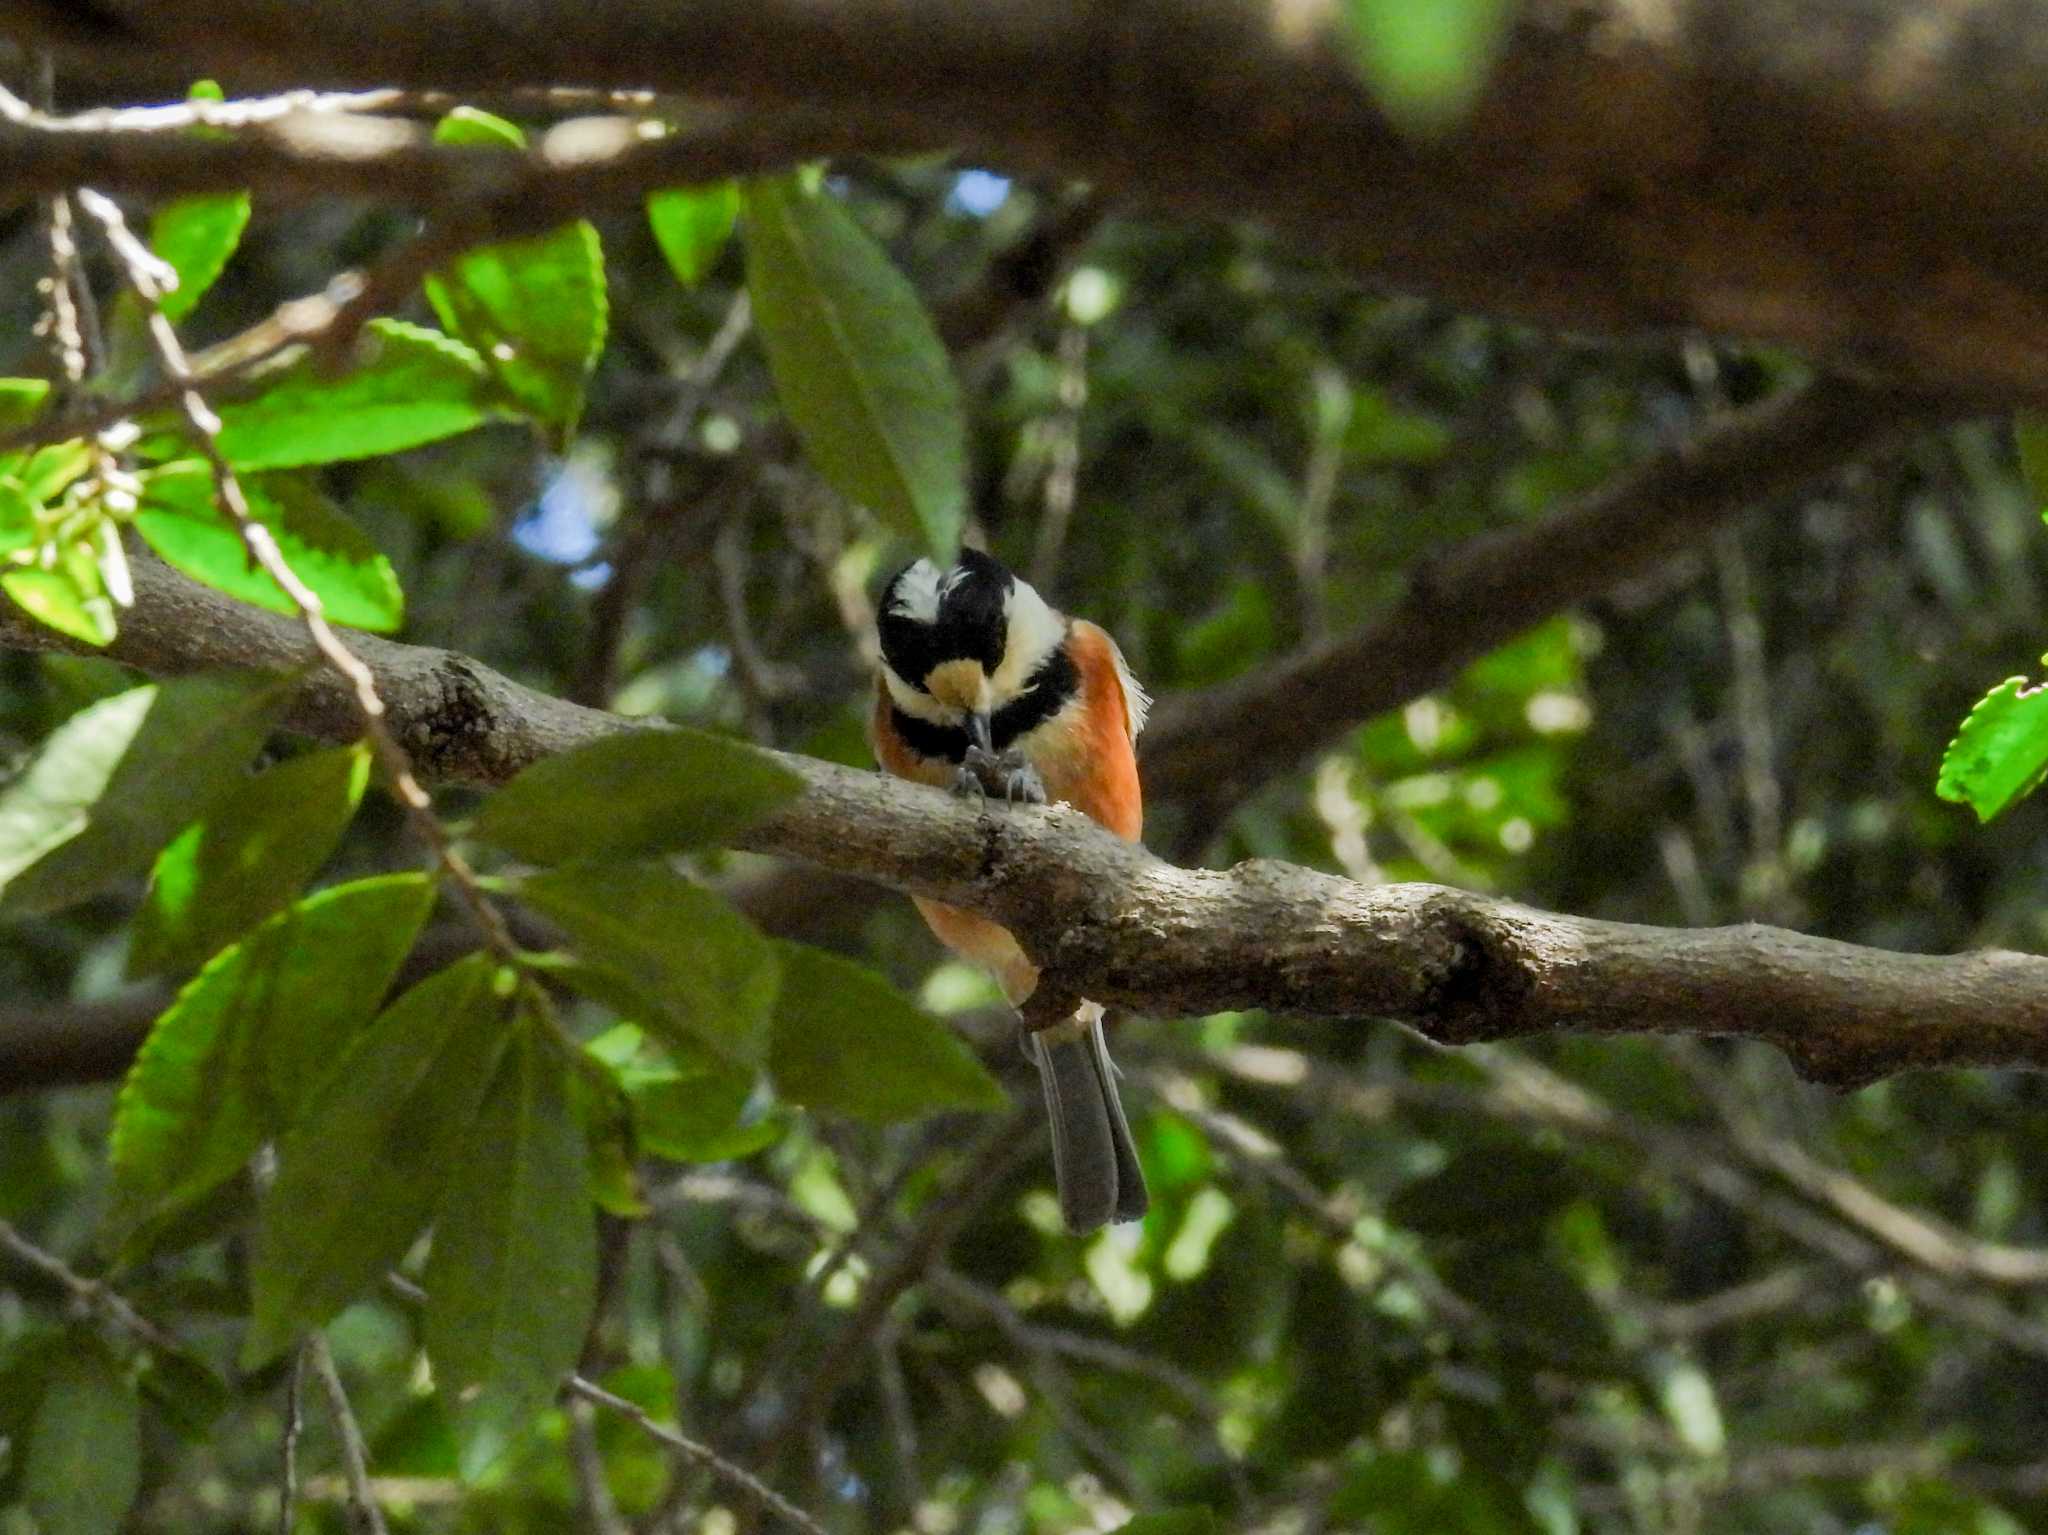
x=245 y=858
x=513 y=1274
x=21 y=401
x=119 y=778
x=858 y=366
x=196 y=236
x=687 y=1109
x=2030 y=435
x=692 y=969
x=847 y=1043
x=51 y=469
x=364 y=1167
x=247 y=1039
x=1426 y=60
x=700 y=1116
x=692 y=225
x=69 y=597
x=18 y=524
x=181 y=519
x=475 y=128
x=534 y=309
x=1173 y=1521
x=84 y=1454
x=636 y=794
x=417 y=386
x=2001 y=752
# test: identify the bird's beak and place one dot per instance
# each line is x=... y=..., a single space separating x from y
x=978 y=733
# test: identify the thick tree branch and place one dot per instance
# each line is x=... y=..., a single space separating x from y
x=1870 y=196
x=1213 y=746
x=1110 y=921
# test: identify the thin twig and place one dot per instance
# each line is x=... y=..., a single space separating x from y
x=88 y=1292
x=288 y=1450
x=736 y=1475
x=364 y=1516
x=142 y=268
x=600 y=1508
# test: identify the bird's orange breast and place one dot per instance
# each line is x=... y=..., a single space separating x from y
x=1087 y=759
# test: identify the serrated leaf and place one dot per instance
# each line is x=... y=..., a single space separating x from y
x=2001 y=752
x=513 y=1273
x=21 y=401
x=635 y=794
x=180 y=518
x=859 y=368
x=119 y=778
x=1426 y=64
x=414 y=386
x=196 y=236
x=84 y=1454
x=846 y=1042
x=245 y=858
x=692 y=226
x=366 y=1163
x=689 y=967
x=245 y=1041
x=535 y=309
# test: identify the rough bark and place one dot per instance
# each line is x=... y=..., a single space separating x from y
x=1108 y=920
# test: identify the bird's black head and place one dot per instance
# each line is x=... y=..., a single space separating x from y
x=930 y=617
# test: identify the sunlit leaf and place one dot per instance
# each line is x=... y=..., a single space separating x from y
x=248 y=856
x=118 y=779
x=534 y=309
x=692 y=226
x=635 y=794
x=1427 y=60
x=413 y=386
x=2001 y=752
x=366 y=1164
x=21 y=401
x=181 y=519
x=513 y=1272
x=196 y=236
x=846 y=1042
x=858 y=366
x=70 y=596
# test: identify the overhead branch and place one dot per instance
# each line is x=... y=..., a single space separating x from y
x=1869 y=197
x=1211 y=747
x=1108 y=920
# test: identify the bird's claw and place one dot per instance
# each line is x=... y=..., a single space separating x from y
x=1005 y=773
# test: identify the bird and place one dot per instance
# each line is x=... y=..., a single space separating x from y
x=984 y=688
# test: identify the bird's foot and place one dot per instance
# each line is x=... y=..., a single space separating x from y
x=1000 y=773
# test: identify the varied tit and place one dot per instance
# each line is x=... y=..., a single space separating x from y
x=984 y=687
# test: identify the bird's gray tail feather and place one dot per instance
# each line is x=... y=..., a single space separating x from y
x=1093 y=1161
